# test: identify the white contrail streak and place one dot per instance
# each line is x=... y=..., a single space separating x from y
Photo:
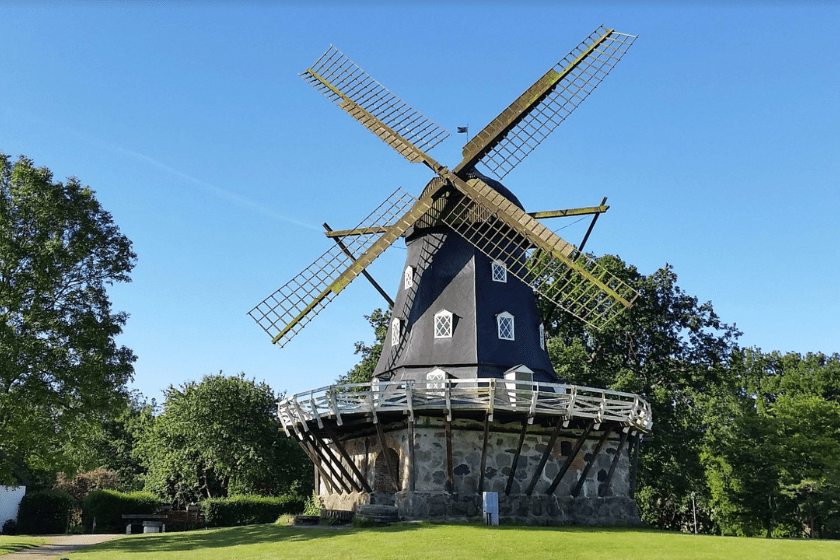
x=218 y=191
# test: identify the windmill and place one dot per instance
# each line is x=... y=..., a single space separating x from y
x=464 y=343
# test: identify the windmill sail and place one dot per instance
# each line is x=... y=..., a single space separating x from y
x=285 y=312
x=520 y=128
x=380 y=111
x=500 y=230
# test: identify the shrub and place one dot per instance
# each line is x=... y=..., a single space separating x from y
x=312 y=505
x=10 y=527
x=248 y=510
x=45 y=512
x=108 y=506
x=84 y=483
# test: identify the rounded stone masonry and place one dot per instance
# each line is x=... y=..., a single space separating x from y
x=554 y=453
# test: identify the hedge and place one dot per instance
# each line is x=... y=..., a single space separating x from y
x=108 y=506
x=45 y=512
x=248 y=510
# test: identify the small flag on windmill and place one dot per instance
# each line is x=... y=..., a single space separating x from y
x=465 y=130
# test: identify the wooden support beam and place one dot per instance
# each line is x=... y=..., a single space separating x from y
x=605 y=486
x=591 y=226
x=320 y=474
x=336 y=461
x=588 y=210
x=483 y=462
x=343 y=452
x=450 y=468
x=412 y=473
x=571 y=212
x=525 y=422
x=325 y=460
x=313 y=407
x=358 y=231
x=316 y=461
x=334 y=406
x=447 y=394
x=545 y=456
x=300 y=415
x=370 y=279
x=635 y=464
x=588 y=467
x=570 y=459
x=391 y=468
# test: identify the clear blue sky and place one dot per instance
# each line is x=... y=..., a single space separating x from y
x=716 y=139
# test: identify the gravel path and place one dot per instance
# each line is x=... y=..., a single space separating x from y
x=59 y=546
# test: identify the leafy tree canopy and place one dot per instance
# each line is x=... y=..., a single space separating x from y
x=363 y=371
x=59 y=363
x=218 y=438
x=112 y=443
x=669 y=348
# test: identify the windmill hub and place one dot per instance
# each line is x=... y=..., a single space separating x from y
x=464 y=399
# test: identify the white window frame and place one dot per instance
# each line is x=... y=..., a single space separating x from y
x=498 y=271
x=408 y=278
x=542 y=336
x=443 y=315
x=501 y=318
x=396 y=331
x=436 y=383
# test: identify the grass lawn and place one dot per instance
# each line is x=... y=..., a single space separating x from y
x=13 y=544
x=426 y=541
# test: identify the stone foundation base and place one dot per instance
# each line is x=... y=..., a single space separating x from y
x=518 y=508
x=521 y=508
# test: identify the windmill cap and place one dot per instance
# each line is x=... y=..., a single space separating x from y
x=497 y=186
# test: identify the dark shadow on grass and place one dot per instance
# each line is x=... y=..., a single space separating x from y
x=8 y=548
x=260 y=534
x=231 y=536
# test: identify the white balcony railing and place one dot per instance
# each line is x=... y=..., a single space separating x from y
x=410 y=397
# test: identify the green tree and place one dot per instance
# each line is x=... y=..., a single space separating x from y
x=675 y=352
x=112 y=444
x=60 y=366
x=221 y=437
x=772 y=468
x=363 y=371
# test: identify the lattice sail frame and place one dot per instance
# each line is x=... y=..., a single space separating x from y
x=508 y=139
x=538 y=257
x=345 y=84
x=285 y=312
